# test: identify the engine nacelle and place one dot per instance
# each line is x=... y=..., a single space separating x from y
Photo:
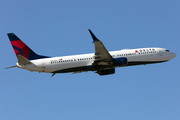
x=106 y=72
x=119 y=62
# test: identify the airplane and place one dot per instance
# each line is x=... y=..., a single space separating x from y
x=102 y=61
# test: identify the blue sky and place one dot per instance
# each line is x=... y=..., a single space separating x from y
x=58 y=28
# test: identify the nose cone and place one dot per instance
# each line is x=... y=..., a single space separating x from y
x=173 y=55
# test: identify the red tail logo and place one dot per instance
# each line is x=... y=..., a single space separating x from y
x=22 y=49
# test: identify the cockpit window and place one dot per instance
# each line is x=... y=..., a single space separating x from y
x=167 y=50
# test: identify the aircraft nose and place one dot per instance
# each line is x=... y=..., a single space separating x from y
x=173 y=55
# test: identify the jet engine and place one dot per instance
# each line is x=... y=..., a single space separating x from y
x=106 y=72
x=119 y=62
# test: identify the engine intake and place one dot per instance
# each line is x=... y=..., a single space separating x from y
x=119 y=62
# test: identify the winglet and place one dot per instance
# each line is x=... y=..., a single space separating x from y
x=93 y=36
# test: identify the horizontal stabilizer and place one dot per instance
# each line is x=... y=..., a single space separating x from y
x=11 y=67
x=22 y=60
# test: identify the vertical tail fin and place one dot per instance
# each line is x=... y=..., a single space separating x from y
x=21 y=48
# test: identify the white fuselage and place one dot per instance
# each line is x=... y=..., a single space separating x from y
x=70 y=63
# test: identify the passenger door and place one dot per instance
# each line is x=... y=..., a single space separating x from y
x=43 y=64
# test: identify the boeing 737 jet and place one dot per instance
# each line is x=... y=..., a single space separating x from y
x=103 y=62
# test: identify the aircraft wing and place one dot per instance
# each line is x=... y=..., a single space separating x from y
x=101 y=53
